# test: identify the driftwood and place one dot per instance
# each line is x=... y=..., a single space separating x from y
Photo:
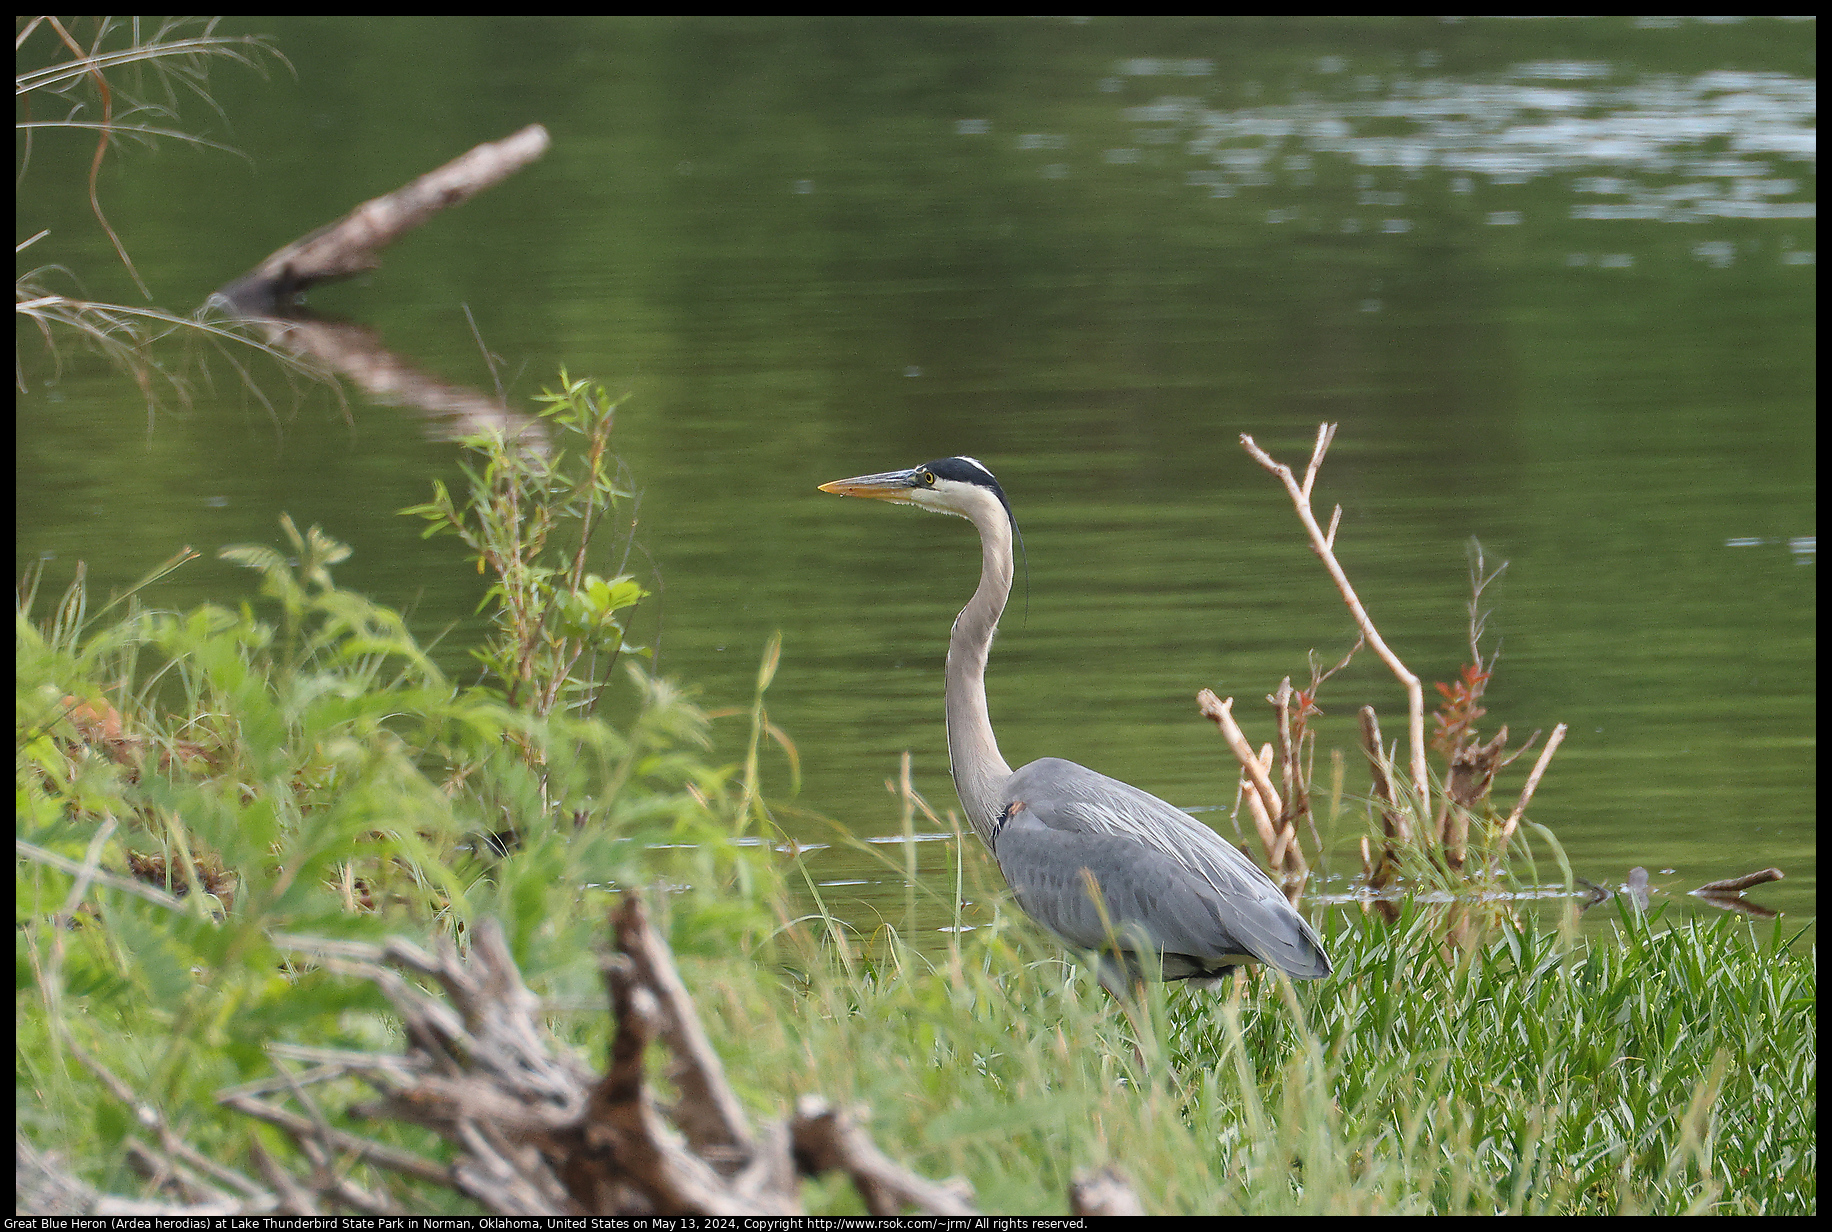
x=268 y=296
x=1736 y=885
x=1726 y=895
x=351 y=244
x=535 y=1131
x=1103 y=1193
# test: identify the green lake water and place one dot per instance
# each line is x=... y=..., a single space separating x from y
x=1555 y=279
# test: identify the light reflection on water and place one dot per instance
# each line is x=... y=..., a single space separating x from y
x=1734 y=141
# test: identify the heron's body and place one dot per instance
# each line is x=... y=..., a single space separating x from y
x=1102 y=865
x=1184 y=891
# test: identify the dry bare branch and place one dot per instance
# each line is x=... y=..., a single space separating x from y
x=295 y=1198
x=1736 y=885
x=351 y=244
x=827 y=1139
x=1526 y=794
x=1103 y=1193
x=1287 y=756
x=152 y=1118
x=1222 y=714
x=1323 y=545
x=534 y=1132
x=302 y=1129
x=1283 y=858
x=43 y=1186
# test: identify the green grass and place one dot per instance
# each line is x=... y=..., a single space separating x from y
x=1664 y=1070
x=318 y=774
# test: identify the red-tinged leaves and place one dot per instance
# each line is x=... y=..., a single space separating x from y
x=1456 y=719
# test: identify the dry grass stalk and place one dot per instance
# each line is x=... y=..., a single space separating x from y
x=1379 y=872
x=1393 y=813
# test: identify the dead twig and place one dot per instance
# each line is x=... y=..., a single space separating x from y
x=1393 y=814
x=1287 y=755
x=1283 y=857
x=1324 y=546
x=1526 y=793
x=303 y=1129
x=43 y=1186
x=1222 y=713
x=152 y=1118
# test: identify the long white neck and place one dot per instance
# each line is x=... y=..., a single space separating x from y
x=973 y=751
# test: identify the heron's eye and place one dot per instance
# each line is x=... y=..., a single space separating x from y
x=927 y=478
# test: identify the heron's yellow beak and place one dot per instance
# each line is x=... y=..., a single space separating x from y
x=894 y=486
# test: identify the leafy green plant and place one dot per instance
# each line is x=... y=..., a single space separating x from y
x=197 y=788
x=532 y=517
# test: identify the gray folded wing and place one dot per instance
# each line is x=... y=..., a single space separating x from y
x=1164 y=881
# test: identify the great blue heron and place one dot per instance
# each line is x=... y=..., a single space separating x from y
x=1104 y=866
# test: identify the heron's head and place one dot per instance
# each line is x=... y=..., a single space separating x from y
x=961 y=486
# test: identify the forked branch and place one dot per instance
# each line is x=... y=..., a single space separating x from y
x=1323 y=544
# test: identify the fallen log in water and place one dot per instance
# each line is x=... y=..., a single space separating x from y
x=352 y=244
